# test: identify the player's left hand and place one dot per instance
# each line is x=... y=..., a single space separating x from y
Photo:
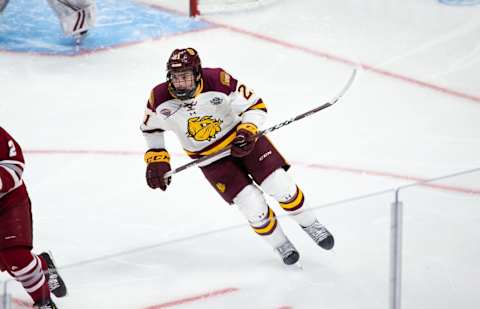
x=155 y=175
x=158 y=164
x=245 y=140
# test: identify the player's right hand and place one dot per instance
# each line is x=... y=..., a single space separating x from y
x=245 y=140
x=158 y=164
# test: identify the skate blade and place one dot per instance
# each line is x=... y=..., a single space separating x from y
x=295 y=266
x=55 y=263
x=79 y=38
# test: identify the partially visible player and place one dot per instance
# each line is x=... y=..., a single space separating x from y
x=76 y=17
x=3 y=5
x=36 y=273
x=208 y=110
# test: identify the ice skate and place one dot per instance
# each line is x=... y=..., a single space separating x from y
x=79 y=37
x=45 y=305
x=320 y=235
x=55 y=282
x=288 y=253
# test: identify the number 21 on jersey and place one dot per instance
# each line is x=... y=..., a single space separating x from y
x=247 y=93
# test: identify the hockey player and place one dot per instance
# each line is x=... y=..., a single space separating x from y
x=76 y=16
x=36 y=273
x=208 y=110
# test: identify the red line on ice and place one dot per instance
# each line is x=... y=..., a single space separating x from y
x=81 y=151
x=366 y=67
x=193 y=298
x=309 y=165
x=459 y=94
x=21 y=303
x=392 y=175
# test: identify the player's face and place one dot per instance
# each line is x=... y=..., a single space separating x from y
x=183 y=80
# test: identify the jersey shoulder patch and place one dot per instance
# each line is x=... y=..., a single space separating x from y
x=225 y=78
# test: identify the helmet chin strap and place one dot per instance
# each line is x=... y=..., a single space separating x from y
x=188 y=95
x=183 y=94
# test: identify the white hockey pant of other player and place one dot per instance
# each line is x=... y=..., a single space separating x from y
x=75 y=15
x=252 y=205
x=281 y=187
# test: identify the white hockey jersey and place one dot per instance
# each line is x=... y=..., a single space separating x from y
x=206 y=123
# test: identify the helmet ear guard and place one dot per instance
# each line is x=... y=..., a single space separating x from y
x=182 y=60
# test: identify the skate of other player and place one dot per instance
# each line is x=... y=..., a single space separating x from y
x=36 y=273
x=208 y=110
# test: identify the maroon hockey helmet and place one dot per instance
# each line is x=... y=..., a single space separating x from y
x=182 y=60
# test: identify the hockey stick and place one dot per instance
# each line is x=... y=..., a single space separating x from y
x=226 y=151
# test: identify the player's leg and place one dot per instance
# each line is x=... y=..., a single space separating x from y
x=15 y=253
x=268 y=168
x=231 y=181
x=76 y=16
x=282 y=188
x=262 y=219
x=291 y=198
x=27 y=269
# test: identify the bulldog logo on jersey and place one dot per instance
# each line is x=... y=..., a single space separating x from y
x=204 y=128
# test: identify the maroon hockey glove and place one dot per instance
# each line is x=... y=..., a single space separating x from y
x=158 y=161
x=245 y=140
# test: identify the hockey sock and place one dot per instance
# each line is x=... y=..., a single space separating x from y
x=261 y=218
x=295 y=208
x=27 y=269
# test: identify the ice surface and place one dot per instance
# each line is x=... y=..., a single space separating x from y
x=411 y=115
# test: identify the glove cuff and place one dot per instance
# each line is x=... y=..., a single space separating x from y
x=157 y=155
x=250 y=127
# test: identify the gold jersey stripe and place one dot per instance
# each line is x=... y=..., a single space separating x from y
x=217 y=148
x=260 y=105
x=295 y=203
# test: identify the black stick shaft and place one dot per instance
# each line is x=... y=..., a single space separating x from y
x=223 y=152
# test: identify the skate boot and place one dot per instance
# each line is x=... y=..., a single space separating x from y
x=320 y=235
x=45 y=305
x=288 y=253
x=55 y=282
x=79 y=37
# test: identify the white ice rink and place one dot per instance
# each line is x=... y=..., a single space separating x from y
x=412 y=114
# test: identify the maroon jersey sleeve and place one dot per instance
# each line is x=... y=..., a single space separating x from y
x=158 y=95
x=216 y=79
x=11 y=162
